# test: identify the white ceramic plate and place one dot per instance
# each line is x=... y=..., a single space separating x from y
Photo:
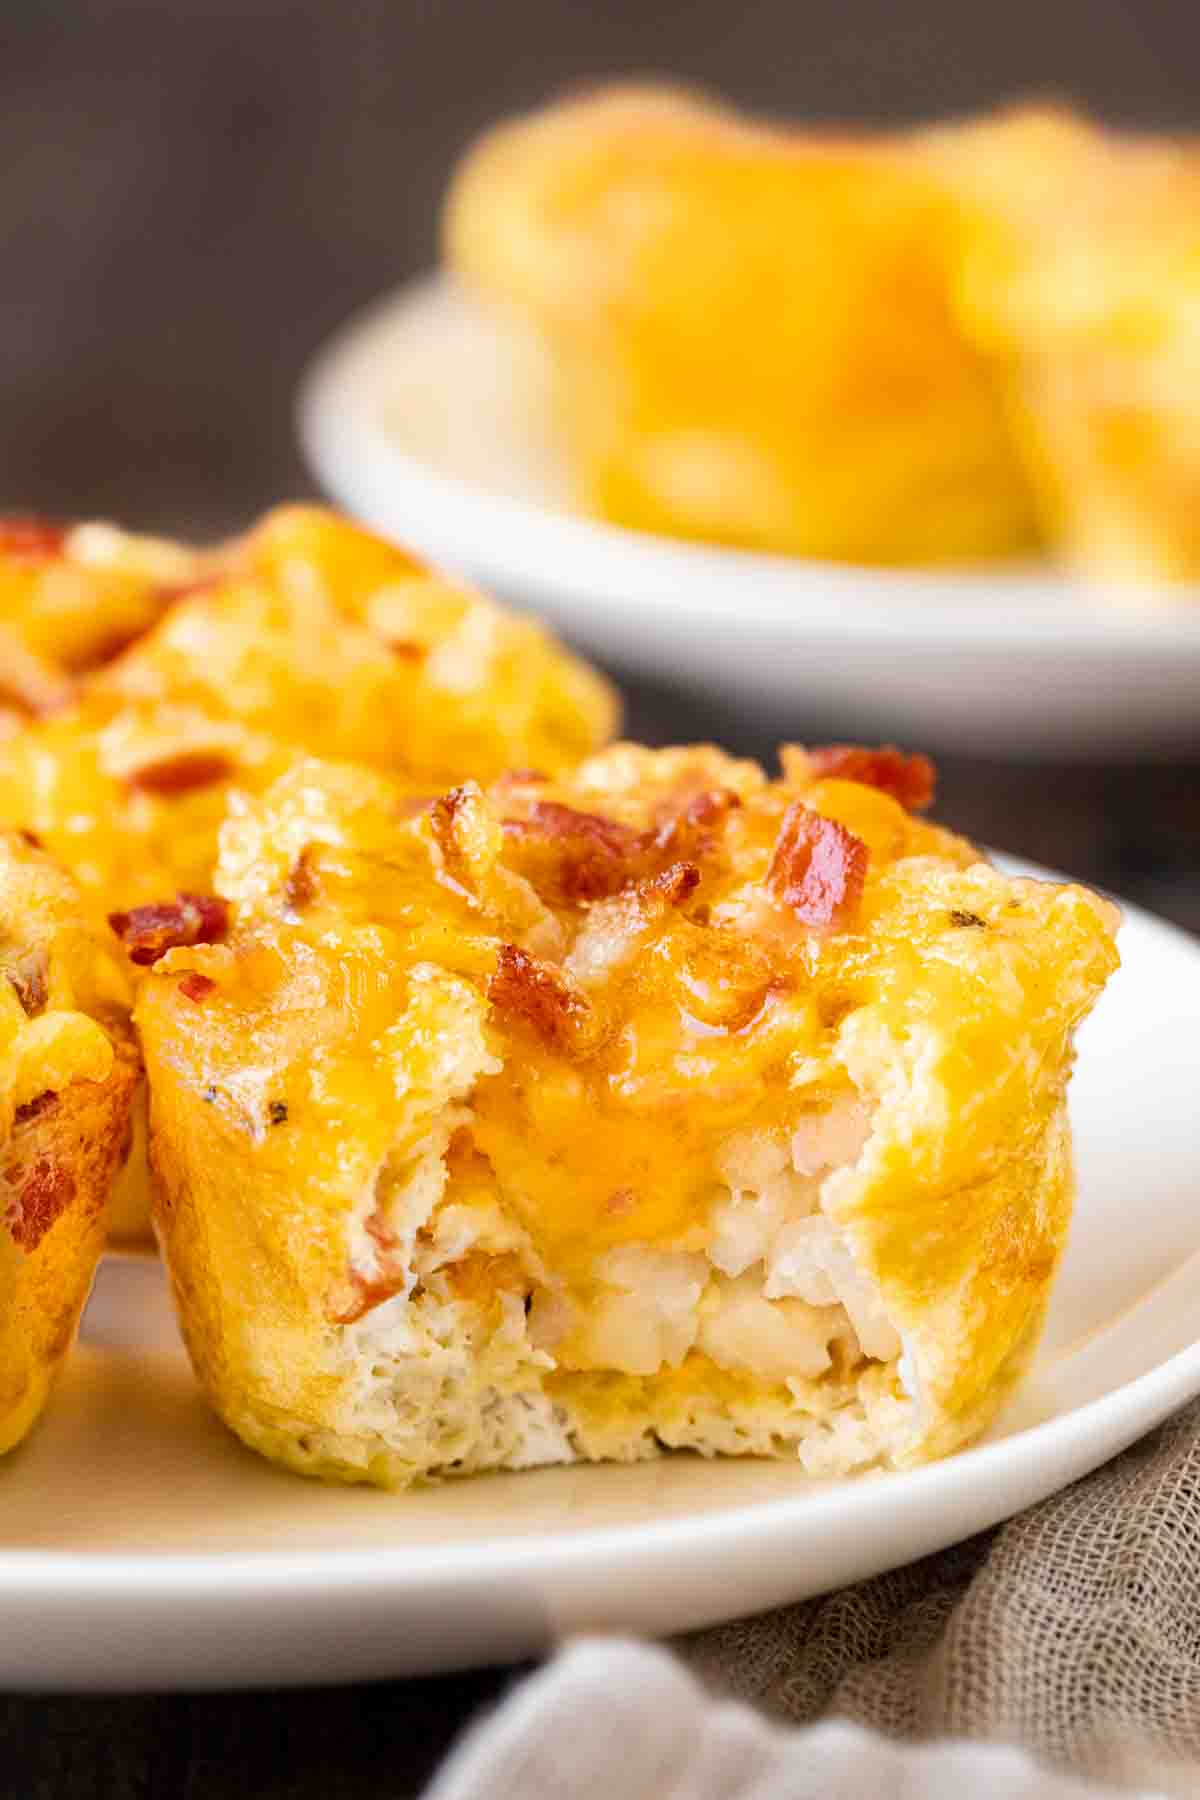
x=141 y=1546
x=410 y=420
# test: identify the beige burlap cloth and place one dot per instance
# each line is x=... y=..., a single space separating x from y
x=1073 y=1632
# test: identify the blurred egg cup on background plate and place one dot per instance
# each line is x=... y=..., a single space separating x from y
x=409 y=421
x=797 y=415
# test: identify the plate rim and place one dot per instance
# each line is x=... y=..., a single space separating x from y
x=348 y=446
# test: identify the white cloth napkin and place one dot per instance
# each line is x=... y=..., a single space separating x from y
x=613 y=1720
x=1073 y=1631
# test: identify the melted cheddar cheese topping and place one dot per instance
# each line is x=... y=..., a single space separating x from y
x=650 y=971
x=308 y=634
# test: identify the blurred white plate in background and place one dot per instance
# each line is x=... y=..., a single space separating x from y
x=142 y=1547
x=410 y=420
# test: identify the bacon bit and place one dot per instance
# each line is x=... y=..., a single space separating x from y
x=406 y=650
x=30 y=539
x=148 y=932
x=550 y=819
x=277 y=1112
x=692 y=828
x=29 y=980
x=361 y=1296
x=29 y=837
x=380 y=1232
x=818 y=869
x=595 y=857
x=958 y=917
x=445 y=817
x=591 y=857
x=182 y=772
x=527 y=988
x=908 y=779
x=196 y=987
x=676 y=884
x=42 y=1198
x=32 y=1109
x=360 y=1293
x=301 y=887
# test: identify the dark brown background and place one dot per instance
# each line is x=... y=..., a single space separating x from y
x=193 y=193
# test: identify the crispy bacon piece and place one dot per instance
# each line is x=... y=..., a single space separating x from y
x=534 y=991
x=908 y=779
x=30 y=539
x=196 y=987
x=581 y=856
x=148 y=932
x=302 y=885
x=32 y=1109
x=676 y=884
x=447 y=817
x=692 y=829
x=182 y=772
x=591 y=857
x=361 y=1295
x=44 y=1195
x=817 y=869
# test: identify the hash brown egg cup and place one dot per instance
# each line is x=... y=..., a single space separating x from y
x=669 y=1107
x=749 y=331
x=307 y=634
x=68 y=1070
x=965 y=341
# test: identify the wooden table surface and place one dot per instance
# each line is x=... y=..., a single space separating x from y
x=192 y=195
